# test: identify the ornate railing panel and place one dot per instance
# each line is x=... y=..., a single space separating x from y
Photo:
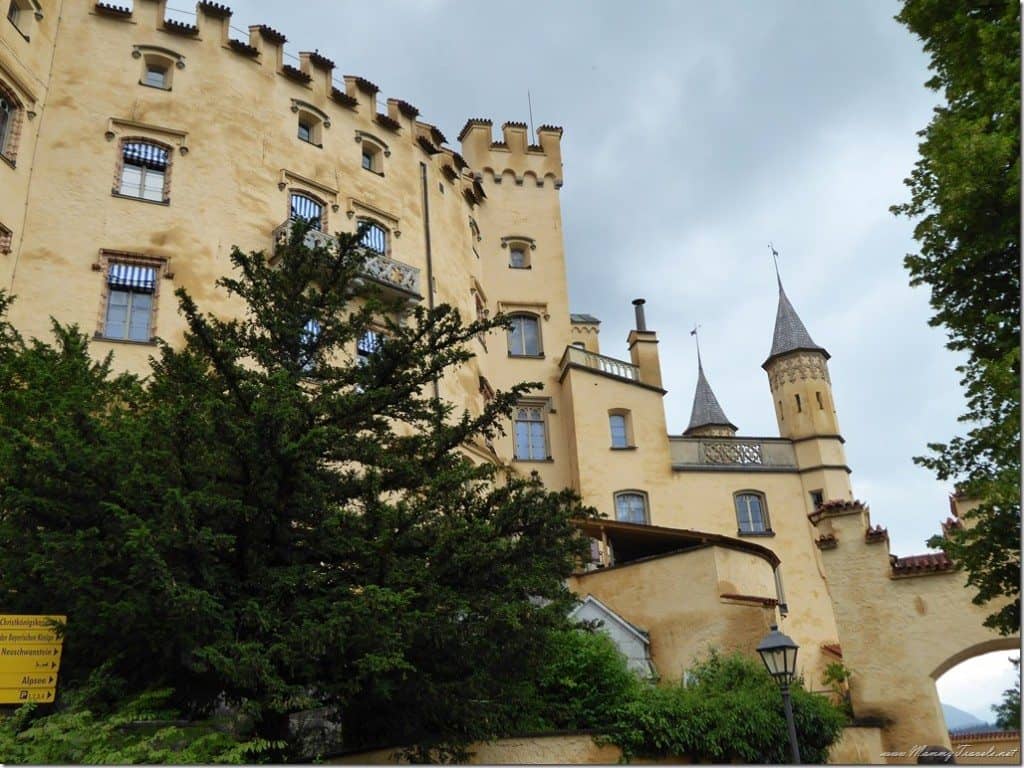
x=378 y=267
x=738 y=453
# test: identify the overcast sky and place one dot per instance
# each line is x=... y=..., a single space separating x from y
x=695 y=134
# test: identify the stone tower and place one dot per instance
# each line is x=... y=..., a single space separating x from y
x=801 y=388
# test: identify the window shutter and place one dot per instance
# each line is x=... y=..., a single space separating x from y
x=146 y=155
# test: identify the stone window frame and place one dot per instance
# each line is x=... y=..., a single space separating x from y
x=519 y=244
x=536 y=318
x=627 y=417
x=537 y=408
x=314 y=118
x=156 y=57
x=632 y=493
x=23 y=15
x=765 y=517
x=375 y=149
x=6 y=239
x=119 y=168
x=102 y=265
x=11 y=134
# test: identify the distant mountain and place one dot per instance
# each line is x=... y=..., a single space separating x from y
x=958 y=720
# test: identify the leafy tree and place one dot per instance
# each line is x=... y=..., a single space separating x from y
x=965 y=194
x=267 y=523
x=1008 y=710
x=731 y=711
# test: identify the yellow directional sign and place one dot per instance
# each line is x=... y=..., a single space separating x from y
x=28 y=679
x=23 y=695
x=30 y=651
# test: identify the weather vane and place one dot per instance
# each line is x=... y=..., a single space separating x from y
x=696 y=338
x=775 y=258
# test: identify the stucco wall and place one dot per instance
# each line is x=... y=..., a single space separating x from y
x=676 y=599
x=858 y=745
x=900 y=634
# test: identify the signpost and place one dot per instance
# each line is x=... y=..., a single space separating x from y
x=30 y=651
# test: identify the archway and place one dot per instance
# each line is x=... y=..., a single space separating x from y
x=971 y=687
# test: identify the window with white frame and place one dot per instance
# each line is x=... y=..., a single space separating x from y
x=631 y=507
x=530 y=436
x=305 y=208
x=375 y=237
x=524 y=336
x=129 y=312
x=751 y=513
x=619 y=427
x=144 y=169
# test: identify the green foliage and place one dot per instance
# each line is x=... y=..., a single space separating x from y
x=731 y=711
x=837 y=678
x=141 y=731
x=965 y=194
x=262 y=521
x=1008 y=710
x=582 y=683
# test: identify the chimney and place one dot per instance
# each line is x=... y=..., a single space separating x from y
x=638 y=308
x=643 y=348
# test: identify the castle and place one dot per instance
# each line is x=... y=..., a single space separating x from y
x=137 y=150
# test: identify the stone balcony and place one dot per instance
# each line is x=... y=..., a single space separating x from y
x=741 y=454
x=608 y=365
x=391 y=275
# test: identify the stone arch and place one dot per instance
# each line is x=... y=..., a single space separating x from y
x=1011 y=643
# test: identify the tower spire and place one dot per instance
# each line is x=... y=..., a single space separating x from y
x=790 y=332
x=707 y=418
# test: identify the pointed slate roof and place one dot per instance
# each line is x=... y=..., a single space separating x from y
x=790 y=332
x=706 y=410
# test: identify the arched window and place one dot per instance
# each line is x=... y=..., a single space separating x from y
x=524 y=336
x=10 y=117
x=631 y=507
x=144 y=170
x=751 y=513
x=375 y=237
x=304 y=207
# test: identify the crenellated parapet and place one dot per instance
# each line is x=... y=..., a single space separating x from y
x=513 y=159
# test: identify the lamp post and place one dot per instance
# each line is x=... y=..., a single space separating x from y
x=778 y=652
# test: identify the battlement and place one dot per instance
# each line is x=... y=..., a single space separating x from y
x=513 y=158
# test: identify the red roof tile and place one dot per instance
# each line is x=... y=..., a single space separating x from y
x=915 y=564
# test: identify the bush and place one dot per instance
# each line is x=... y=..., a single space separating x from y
x=139 y=732
x=730 y=712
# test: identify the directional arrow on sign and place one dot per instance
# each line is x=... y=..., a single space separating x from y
x=21 y=695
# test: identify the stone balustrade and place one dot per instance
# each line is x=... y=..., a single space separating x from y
x=740 y=453
x=579 y=356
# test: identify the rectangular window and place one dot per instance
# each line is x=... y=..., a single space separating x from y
x=620 y=433
x=156 y=76
x=129 y=312
x=143 y=172
x=631 y=508
x=305 y=131
x=817 y=498
x=530 y=434
x=523 y=336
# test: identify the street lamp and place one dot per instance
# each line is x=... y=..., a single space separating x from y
x=778 y=652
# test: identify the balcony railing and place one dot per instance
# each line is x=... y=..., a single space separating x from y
x=579 y=356
x=383 y=270
x=756 y=453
